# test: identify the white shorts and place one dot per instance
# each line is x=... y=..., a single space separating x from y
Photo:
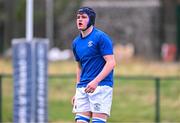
x=98 y=102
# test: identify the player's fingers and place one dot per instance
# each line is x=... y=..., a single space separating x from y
x=89 y=90
x=86 y=90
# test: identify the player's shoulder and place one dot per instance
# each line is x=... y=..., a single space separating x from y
x=103 y=36
x=100 y=32
x=76 y=39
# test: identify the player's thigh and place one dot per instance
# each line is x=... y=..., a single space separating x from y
x=83 y=117
x=88 y=113
x=101 y=100
x=81 y=102
x=100 y=115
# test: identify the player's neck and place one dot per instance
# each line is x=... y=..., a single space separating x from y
x=87 y=31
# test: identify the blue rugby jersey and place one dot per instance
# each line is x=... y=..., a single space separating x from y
x=89 y=52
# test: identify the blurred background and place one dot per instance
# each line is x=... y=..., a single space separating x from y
x=146 y=37
x=148 y=28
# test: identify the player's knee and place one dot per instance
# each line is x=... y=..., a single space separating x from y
x=98 y=120
x=82 y=118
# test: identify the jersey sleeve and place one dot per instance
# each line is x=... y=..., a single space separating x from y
x=105 y=44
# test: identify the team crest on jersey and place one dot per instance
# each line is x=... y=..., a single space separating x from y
x=90 y=43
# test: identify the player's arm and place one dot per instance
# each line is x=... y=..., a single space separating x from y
x=108 y=67
x=78 y=73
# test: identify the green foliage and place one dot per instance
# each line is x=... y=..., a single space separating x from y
x=65 y=14
x=65 y=8
x=20 y=10
x=1 y=11
x=12 y=14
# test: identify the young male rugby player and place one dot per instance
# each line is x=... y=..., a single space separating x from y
x=93 y=51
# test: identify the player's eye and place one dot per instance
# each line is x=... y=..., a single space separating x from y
x=78 y=17
x=81 y=16
x=84 y=16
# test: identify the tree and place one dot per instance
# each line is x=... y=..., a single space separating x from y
x=65 y=12
x=8 y=22
x=1 y=27
x=178 y=28
x=14 y=20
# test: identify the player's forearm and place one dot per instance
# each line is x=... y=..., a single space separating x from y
x=78 y=76
x=78 y=73
x=109 y=66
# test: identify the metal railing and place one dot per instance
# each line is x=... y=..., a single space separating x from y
x=157 y=81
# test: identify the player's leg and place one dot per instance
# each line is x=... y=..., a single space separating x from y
x=81 y=106
x=99 y=118
x=83 y=117
x=100 y=103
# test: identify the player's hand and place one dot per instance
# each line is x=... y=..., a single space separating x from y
x=72 y=100
x=91 y=87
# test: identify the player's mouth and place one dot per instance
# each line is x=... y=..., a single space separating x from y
x=80 y=24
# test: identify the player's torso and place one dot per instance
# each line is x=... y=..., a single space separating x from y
x=88 y=47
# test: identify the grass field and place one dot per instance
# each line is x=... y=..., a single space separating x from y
x=130 y=68
x=133 y=100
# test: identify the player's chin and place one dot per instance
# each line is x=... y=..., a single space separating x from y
x=81 y=28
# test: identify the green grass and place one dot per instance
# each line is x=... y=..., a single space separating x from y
x=133 y=100
x=133 y=67
x=60 y=93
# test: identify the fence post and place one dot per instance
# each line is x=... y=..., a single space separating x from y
x=157 y=105
x=0 y=98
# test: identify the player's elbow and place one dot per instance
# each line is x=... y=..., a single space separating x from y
x=110 y=61
x=113 y=63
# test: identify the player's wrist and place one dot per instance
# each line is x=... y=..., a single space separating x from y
x=95 y=81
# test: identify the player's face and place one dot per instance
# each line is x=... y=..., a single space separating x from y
x=82 y=21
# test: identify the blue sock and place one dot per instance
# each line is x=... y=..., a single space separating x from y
x=98 y=120
x=83 y=118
